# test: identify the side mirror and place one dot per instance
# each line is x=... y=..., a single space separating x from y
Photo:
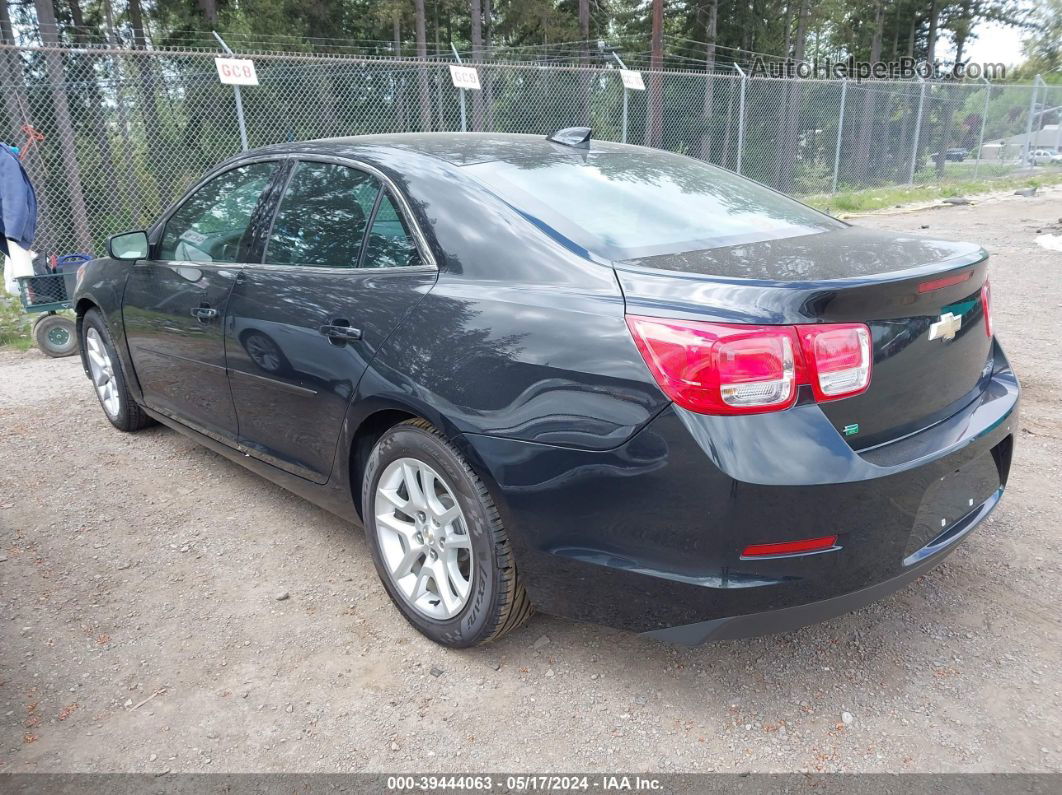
x=128 y=246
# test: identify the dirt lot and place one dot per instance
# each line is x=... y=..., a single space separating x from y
x=141 y=625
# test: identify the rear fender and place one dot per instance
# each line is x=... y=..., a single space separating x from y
x=366 y=406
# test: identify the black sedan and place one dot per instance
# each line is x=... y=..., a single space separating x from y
x=607 y=382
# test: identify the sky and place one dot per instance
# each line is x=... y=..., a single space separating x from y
x=995 y=43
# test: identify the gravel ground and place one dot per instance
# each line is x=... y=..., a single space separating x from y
x=162 y=609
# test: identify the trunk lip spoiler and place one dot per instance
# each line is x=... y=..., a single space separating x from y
x=972 y=259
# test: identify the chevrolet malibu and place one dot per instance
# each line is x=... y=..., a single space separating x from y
x=607 y=382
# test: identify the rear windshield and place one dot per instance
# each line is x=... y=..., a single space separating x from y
x=631 y=205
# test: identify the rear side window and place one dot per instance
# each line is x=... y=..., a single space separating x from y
x=623 y=206
x=212 y=224
x=390 y=244
x=322 y=217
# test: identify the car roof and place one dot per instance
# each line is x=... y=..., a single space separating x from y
x=459 y=149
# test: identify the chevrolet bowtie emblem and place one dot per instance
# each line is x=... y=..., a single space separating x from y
x=946 y=328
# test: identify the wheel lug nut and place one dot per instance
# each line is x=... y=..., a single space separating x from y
x=420 y=516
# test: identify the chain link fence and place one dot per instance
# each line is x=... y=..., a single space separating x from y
x=125 y=131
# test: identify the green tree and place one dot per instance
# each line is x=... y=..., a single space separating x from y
x=1043 y=46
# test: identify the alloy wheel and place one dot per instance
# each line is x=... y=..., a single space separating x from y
x=423 y=538
x=101 y=369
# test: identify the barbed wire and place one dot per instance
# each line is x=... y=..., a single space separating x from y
x=629 y=47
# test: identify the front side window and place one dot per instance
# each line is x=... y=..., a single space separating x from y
x=390 y=243
x=322 y=217
x=213 y=224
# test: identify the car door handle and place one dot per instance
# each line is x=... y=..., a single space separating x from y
x=340 y=331
x=204 y=312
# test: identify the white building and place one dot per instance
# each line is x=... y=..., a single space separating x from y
x=1010 y=148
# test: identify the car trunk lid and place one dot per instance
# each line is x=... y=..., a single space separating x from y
x=921 y=299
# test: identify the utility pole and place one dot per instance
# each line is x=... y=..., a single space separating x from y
x=1027 y=149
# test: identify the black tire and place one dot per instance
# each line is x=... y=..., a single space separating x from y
x=56 y=336
x=497 y=602
x=129 y=416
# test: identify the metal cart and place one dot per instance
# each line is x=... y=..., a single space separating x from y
x=50 y=293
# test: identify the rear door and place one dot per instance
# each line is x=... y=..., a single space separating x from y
x=175 y=301
x=342 y=267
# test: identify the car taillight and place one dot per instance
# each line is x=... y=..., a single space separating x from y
x=756 y=370
x=719 y=368
x=714 y=368
x=986 y=307
x=838 y=359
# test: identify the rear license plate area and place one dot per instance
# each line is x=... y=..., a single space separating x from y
x=948 y=500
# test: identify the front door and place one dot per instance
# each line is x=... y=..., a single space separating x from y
x=175 y=302
x=340 y=271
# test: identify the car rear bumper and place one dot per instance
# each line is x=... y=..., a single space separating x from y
x=788 y=618
x=649 y=536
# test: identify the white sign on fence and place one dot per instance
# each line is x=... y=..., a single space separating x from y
x=632 y=79
x=464 y=77
x=236 y=71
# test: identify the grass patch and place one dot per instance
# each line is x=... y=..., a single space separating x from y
x=15 y=325
x=879 y=198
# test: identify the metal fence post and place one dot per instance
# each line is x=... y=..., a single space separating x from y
x=984 y=121
x=917 y=130
x=464 y=123
x=239 y=99
x=741 y=117
x=623 y=67
x=1027 y=148
x=1058 y=125
x=840 y=132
